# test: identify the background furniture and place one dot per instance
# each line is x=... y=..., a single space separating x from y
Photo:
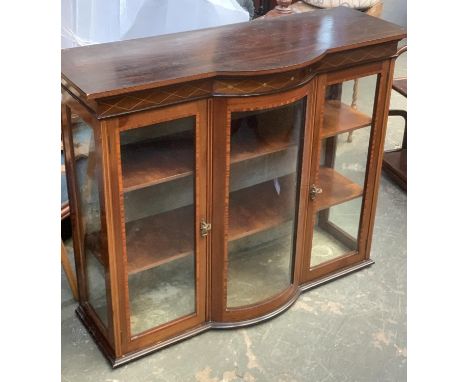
x=264 y=6
x=211 y=193
x=394 y=161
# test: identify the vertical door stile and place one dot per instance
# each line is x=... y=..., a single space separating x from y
x=109 y=129
x=382 y=104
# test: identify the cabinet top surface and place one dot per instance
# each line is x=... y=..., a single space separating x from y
x=260 y=47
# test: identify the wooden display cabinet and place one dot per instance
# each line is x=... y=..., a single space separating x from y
x=210 y=177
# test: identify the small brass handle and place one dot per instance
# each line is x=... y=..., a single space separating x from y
x=314 y=191
x=205 y=227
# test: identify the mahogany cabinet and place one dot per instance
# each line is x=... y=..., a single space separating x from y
x=211 y=178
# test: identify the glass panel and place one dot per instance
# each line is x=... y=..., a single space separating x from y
x=158 y=184
x=345 y=134
x=336 y=231
x=87 y=179
x=266 y=147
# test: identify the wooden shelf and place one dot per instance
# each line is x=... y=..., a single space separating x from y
x=259 y=208
x=161 y=238
x=336 y=188
x=149 y=163
x=340 y=118
x=242 y=151
x=152 y=162
x=168 y=236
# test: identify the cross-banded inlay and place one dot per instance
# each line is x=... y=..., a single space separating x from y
x=358 y=55
x=257 y=85
x=151 y=98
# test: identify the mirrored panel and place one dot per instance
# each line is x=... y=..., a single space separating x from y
x=158 y=164
x=87 y=162
x=265 y=161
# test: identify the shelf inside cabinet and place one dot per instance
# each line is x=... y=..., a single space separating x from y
x=336 y=189
x=242 y=151
x=341 y=118
x=161 y=238
x=158 y=239
x=154 y=162
x=260 y=207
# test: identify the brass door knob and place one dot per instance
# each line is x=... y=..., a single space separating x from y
x=314 y=191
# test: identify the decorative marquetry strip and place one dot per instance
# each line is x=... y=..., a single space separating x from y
x=153 y=98
x=356 y=56
x=258 y=85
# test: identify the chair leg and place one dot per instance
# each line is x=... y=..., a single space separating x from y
x=69 y=272
x=354 y=104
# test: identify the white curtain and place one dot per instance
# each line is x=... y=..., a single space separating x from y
x=87 y=22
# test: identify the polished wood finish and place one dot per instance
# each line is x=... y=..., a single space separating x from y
x=209 y=75
x=121 y=67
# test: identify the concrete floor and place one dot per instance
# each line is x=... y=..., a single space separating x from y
x=353 y=329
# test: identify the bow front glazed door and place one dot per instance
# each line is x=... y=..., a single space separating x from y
x=256 y=209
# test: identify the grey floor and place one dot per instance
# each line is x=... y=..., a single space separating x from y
x=353 y=329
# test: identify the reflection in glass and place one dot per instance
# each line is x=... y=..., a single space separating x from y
x=158 y=184
x=87 y=179
x=265 y=152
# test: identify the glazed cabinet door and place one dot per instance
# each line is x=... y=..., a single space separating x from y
x=350 y=111
x=259 y=144
x=161 y=165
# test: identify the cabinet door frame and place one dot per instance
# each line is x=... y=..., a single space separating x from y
x=222 y=316
x=112 y=129
x=384 y=72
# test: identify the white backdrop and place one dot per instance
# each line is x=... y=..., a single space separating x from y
x=87 y=22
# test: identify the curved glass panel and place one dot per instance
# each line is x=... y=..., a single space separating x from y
x=265 y=161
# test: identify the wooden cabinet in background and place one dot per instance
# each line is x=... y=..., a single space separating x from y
x=215 y=181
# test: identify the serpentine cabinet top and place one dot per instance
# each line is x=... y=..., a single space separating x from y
x=247 y=49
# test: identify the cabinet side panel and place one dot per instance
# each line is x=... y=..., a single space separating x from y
x=83 y=152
